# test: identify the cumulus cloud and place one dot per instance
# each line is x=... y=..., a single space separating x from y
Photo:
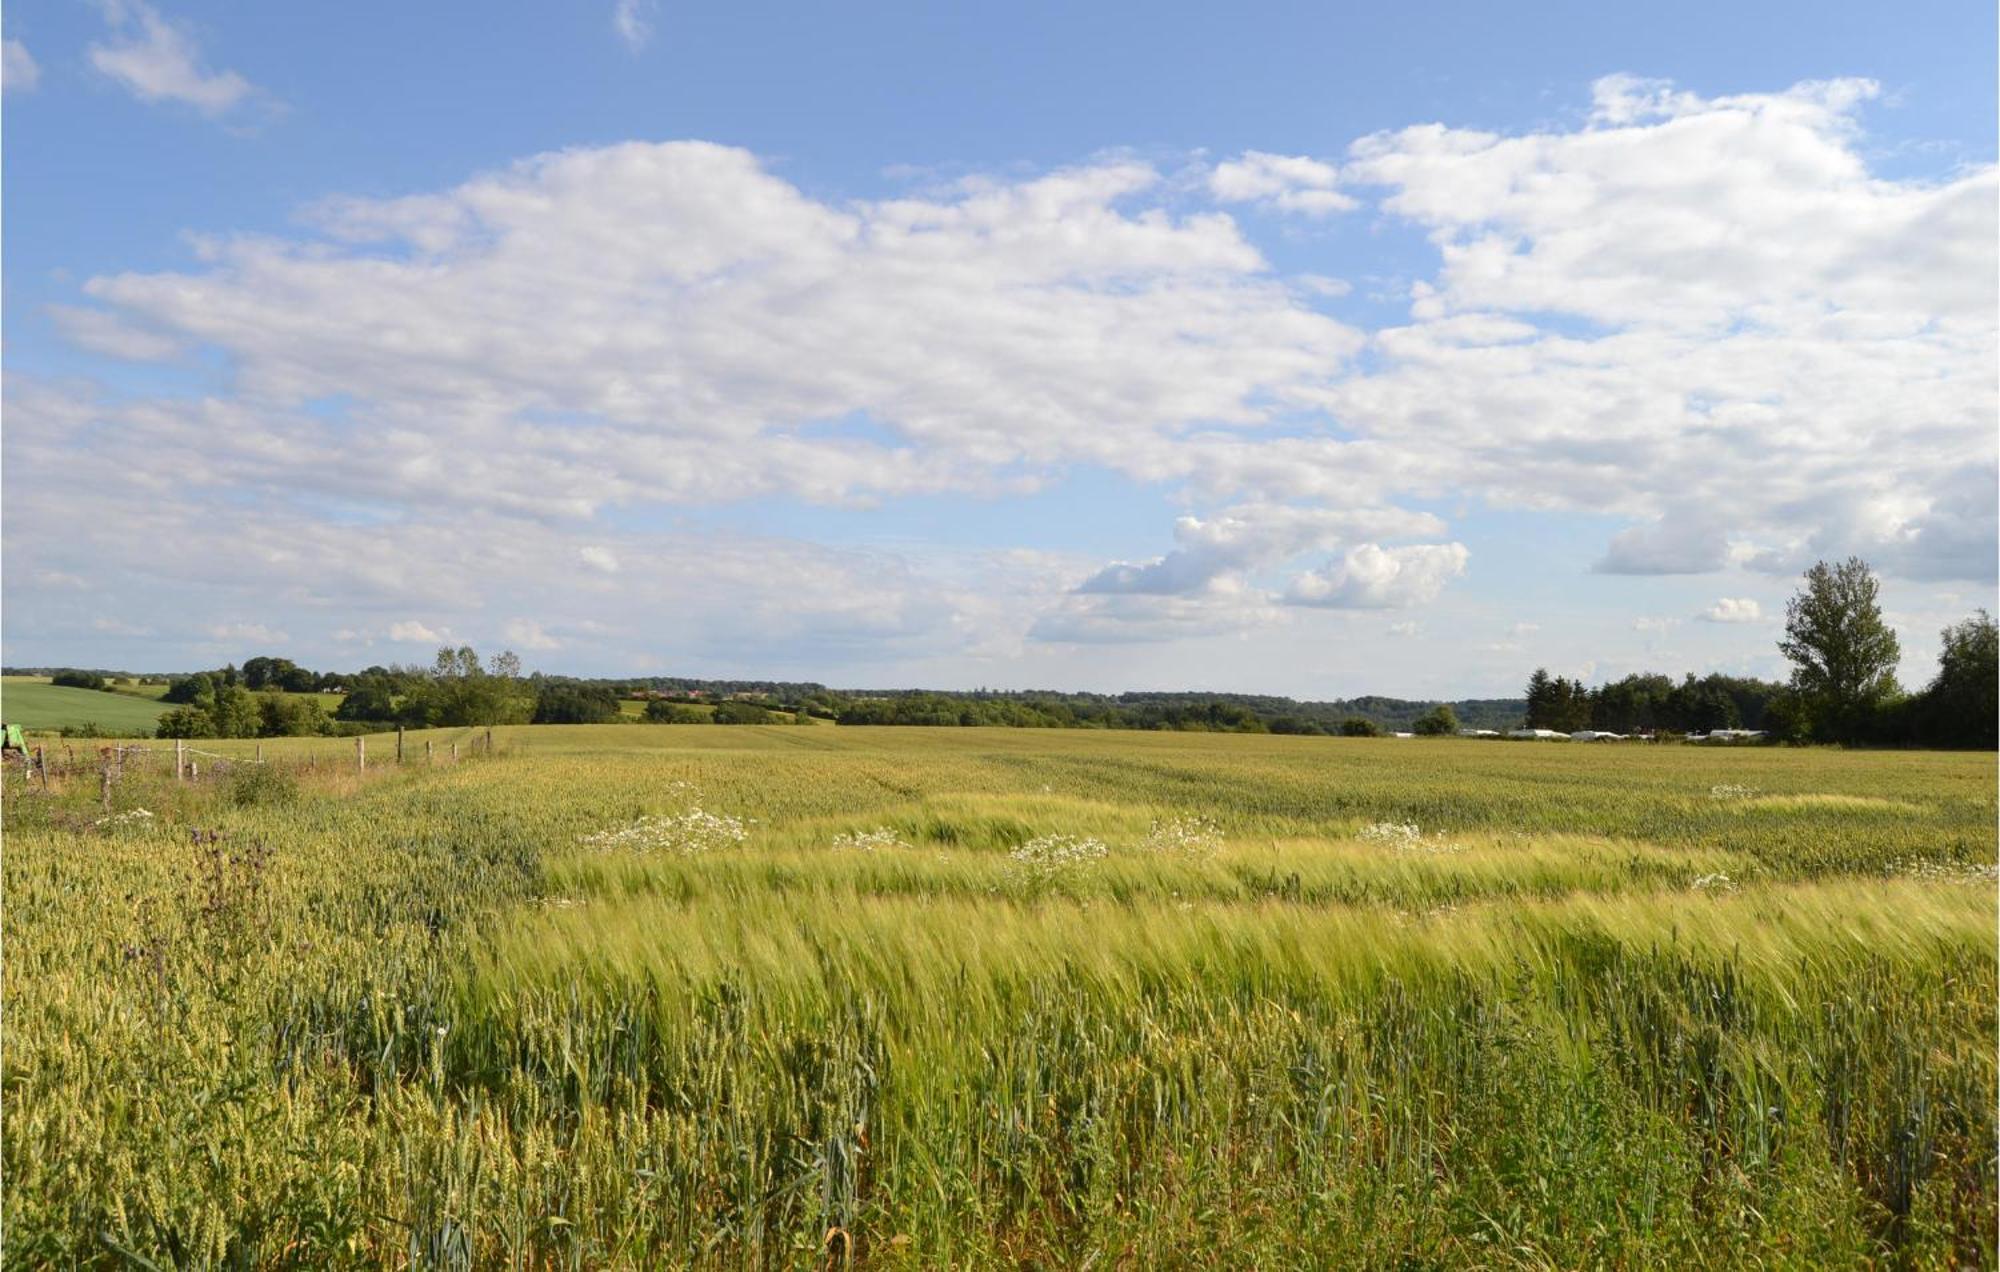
x=1374 y=577
x=1732 y=609
x=157 y=60
x=1673 y=545
x=674 y=322
x=526 y=633
x=1252 y=537
x=1705 y=318
x=1288 y=183
x=412 y=631
x=237 y=633
x=18 y=71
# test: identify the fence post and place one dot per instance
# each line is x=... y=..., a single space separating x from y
x=260 y=752
x=104 y=785
x=399 y=744
x=454 y=753
x=427 y=753
x=42 y=767
x=489 y=741
x=360 y=755
x=180 y=759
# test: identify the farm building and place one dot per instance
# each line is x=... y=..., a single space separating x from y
x=1538 y=735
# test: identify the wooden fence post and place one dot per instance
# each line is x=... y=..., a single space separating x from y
x=260 y=752
x=42 y=767
x=427 y=753
x=180 y=759
x=399 y=744
x=454 y=753
x=489 y=741
x=360 y=755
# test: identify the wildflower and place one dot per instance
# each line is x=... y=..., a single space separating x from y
x=1407 y=837
x=867 y=840
x=688 y=833
x=1048 y=856
x=1717 y=882
x=1192 y=838
x=1729 y=790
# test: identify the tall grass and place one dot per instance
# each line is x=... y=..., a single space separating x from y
x=1590 y=1012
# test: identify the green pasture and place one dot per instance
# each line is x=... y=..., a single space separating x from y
x=35 y=704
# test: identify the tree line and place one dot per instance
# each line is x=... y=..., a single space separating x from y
x=1842 y=688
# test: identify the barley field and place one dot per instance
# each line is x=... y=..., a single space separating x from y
x=661 y=996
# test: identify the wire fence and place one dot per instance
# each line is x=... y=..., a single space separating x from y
x=42 y=766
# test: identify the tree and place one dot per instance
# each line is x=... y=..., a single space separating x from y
x=1843 y=655
x=1962 y=705
x=1439 y=721
x=225 y=711
x=734 y=712
x=660 y=711
x=1360 y=727
x=290 y=715
x=371 y=698
x=564 y=702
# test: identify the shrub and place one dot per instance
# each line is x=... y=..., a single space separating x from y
x=263 y=786
x=1359 y=727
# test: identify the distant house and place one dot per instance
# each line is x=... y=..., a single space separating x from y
x=1730 y=735
x=1402 y=735
x=1595 y=735
x=1539 y=735
x=1478 y=733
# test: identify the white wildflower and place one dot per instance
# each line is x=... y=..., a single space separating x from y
x=1728 y=790
x=867 y=840
x=688 y=833
x=1717 y=882
x=1047 y=856
x=1193 y=838
x=1932 y=870
x=1407 y=837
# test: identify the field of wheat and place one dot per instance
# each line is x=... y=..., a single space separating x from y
x=646 y=996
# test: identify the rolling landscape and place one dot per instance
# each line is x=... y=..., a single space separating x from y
x=1031 y=638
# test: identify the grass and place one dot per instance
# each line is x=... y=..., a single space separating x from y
x=35 y=704
x=642 y=995
x=119 y=711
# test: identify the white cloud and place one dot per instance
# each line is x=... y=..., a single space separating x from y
x=1251 y=537
x=696 y=322
x=157 y=60
x=116 y=627
x=413 y=632
x=18 y=71
x=1732 y=609
x=526 y=633
x=108 y=333
x=1374 y=577
x=240 y=632
x=1674 y=545
x=1748 y=321
x=1703 y=318
x=633 y=21
x=1288 y=183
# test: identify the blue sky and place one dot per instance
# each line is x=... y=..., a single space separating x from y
x=1283 y=349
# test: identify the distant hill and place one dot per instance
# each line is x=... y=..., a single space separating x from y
x=36 y=704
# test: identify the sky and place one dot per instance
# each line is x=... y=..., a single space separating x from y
x=1313 y=350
